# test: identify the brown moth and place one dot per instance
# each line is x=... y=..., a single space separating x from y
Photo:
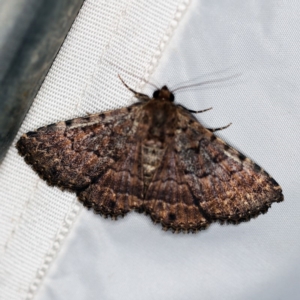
x=153 y=157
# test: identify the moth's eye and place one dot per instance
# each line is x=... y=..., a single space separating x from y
x=156 y=94
x=172 y=97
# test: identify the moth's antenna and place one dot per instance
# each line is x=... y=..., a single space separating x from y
x=129 y=88
x=140 y=96
x=207 y=82
x=133 y=75
x=199 y=78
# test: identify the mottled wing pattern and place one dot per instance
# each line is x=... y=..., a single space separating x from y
x=225 y=185
x=154 y=157
x=74 y=154
x=169 y=199
x=120 y=188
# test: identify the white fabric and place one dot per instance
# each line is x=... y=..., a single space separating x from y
x=132 y=258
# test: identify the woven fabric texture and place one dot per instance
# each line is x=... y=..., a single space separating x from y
x=254 y=46
x=83 y=79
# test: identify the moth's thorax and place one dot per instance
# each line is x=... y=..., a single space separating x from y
x=159 y=118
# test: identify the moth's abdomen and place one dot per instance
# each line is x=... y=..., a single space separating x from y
x=152 y=157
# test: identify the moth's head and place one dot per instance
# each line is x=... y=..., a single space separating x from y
x=164 y=94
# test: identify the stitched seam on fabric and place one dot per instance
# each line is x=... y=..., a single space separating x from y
x=20 y=217
x=54 y=250
x=179 y=14
x=100 y=60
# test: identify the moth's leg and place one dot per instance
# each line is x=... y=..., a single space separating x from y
x=219 y=128
x=140 y=96
x=199 y=111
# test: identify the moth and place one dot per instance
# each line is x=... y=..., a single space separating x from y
x=153 y=157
